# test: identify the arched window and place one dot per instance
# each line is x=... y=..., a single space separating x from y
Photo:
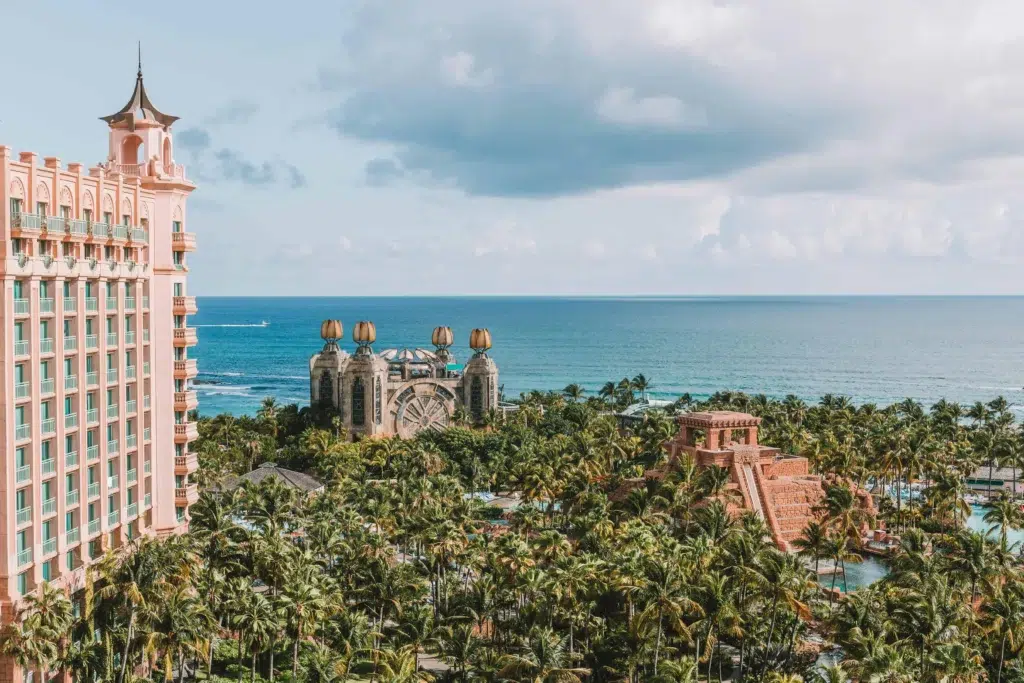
x=476 y=398
x=326 y=389
x=379 y=414
x=358 y=402
x=130 y=150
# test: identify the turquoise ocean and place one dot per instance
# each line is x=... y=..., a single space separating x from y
x=878 y=349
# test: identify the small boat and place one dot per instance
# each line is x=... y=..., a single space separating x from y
x=264 y=323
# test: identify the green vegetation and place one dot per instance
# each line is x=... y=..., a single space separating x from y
x=393 y=566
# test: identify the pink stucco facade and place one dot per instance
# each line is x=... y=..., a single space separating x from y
x=95 y=373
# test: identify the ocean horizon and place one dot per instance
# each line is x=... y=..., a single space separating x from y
x=872 y=348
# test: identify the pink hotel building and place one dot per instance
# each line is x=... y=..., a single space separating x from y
x=94 y=358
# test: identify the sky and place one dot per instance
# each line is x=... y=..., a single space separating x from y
x=687 y=147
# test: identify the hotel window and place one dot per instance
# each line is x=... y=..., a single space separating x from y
x=21 y=499
x=44 y=451
x=69 y=445
x=44 y=329
x=17 y=246
x=65 y=212
x=41 y=208
x=179 y=321
x=20 y=459
x=111 y=434
x=176 y=226
x=358 y=402
x=179 y=481
x=179 y=289
x=44 y=370
x=69 y=560
x=180 y=514
x=87 y=215
x=90 y=439
x=68 y=407
x=69 y=369
x=111 y=360
x=44 y=247
x=67 y=249
x=108 y=217
x=111 y=399
x=44 y=410
x=108 y=254
x=19 y=416
x=69 y=517
x=15 y=206
x=47 y=489
x=19 y=374
x=19 y=332
x=90 y=251
x=44 y=289
x=23 y=582
x=126 y=219
x=178 y=258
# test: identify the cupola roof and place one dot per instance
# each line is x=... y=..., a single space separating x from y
x=139 y=107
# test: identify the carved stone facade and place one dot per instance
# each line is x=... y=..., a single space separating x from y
x=401 y=392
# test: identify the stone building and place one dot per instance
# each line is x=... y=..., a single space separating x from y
x=778 y=487
x=401 y=391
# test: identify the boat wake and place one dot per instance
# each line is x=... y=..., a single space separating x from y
x=263 y=323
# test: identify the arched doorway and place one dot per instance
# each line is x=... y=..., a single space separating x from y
x=130 y=149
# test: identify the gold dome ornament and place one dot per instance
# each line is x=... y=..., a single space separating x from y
x=331 y=330
x=480 y=340
x=364 y=334
x=442 y=337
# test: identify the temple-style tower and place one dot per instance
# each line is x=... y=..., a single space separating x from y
x=327 y=367
x=480 y=386
x=364 y=383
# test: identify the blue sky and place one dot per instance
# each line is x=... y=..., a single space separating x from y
x=560 y=146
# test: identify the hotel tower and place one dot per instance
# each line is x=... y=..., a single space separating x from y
x=95 y=368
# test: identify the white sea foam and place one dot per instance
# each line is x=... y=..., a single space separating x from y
x=235 y=325
x=224 y=374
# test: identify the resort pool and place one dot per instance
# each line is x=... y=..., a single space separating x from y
x=977 y=522
x=858 y=575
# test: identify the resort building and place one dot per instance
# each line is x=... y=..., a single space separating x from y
x=777 y=487
x=401 y=391
x=94 y=359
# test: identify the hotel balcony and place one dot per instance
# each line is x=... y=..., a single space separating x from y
x=183 y=241
x=183 y=433
x=25 y=557
x=24 y=516
x=47 y=386
x=48 y=467
x=23 y=474
x=70 y=344
x=47 y=306
x=185 y=369
x=71 y=383
x=49 y=546
x=70 y=304
x=186 y=464
x=71 y=460
x=185 y=336
x=186 y=495
x=72 y=536
x=185 y=401
x=185 y=305
x=24 y=390
x=71 y=498
x=22 y=307
x=94 y=527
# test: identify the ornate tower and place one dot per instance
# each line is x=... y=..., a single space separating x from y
x=480 y=377
x=327 y=367
x=364 y=385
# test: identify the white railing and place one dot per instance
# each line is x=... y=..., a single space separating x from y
x=92 y=304
x=48 y=426
x=23 y=474
x=22 y=432
x=133 y=476
x=46 y=305
x=111 y=338
x=70 y=304
x=129 y=303
x=92 y=453
x=94 y=489
x=113 y=518
x=71 y=498
x=50 y=546
x=92 y=379
x=70 y=343
x=49 y=507
x=24 y=516
x=22 y=390
x=129 y=337
x=131 y=440
x=131 y=406
x=112 y=447
x=145 y=434
x=133 y=511
x=112 y=412
x=111 y=375
x=46 y=386
x=71 y=459
x=111 y=303
x=112 y=482
x=48 y=466
x=94 y=527
x=71 y=383
x=21 y=347
x=25 y=557
x=129 y=371
x=21 y=307
x=72 y=536
x=148 y=500
x=92 y=341
x=70 y=420
x=147 y=467
x=92 y=415
x=46 y=345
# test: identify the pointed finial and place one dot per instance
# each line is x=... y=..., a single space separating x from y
x=140 y=59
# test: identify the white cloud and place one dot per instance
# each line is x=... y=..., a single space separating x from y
x=505 y=238
x=460 y=70
x=594 y=250
x=621 y=105
x=345 y=243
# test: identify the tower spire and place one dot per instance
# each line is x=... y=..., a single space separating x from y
x=140 y=59
x=139 y=108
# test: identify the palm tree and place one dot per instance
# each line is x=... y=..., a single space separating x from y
x=574 y=392
x=544 y=660
x=641 y=384
x=257 y=624
x=813 y=542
